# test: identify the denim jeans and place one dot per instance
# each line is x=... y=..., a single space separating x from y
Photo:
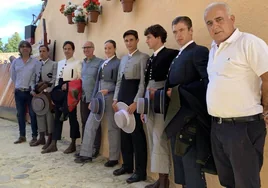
x=23 y=99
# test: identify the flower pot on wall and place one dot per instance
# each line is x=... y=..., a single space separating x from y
x=127 y=5
x=93 y=16
x=81 y=27
x=70 y=18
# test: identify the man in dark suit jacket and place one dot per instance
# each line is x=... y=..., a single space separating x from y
x=186 y=115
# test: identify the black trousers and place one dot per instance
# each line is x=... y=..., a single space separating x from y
x=135 y=143
x=186 y=170
x=84 y=111
x=238 y=152
x=74 y=125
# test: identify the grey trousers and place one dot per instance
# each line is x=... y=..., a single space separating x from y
x=158 y=143
x=113 y=132
x=45 y=123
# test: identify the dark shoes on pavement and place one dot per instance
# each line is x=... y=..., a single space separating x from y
x=34 y=139
x=135 y=178
x=121 y=171
x=111 y=163
x=21 y=139
x=82 y=159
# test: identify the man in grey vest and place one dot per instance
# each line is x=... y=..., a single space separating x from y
x=48 y=77
x=89 y=72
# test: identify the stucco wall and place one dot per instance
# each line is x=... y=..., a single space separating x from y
x=251 y=16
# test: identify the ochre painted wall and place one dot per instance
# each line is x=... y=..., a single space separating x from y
x=251 y=16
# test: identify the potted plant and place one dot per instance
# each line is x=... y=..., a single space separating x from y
x=93 y=9
x=68 y=11
x=80 y=19
x=127 y=5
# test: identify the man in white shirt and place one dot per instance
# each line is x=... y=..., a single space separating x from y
x=68 y=69
x=237 y=99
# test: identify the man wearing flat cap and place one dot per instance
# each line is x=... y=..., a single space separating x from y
x=45 y=86
x=25 y=72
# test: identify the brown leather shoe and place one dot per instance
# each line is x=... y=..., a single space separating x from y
x=20 y=140
x=34 y=139
x=51 y=148
x=48 y=142
x=70 y=149
x=41 y=140
x=153 y=185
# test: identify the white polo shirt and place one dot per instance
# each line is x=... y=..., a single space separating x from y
x=68 y=70
x=234 y=70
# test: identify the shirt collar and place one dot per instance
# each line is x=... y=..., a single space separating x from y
x=44 y=62
x=107 y=60
x=185 y=45
x=130 y=55
x=235 y=35
x=87 y=60
x=71 y=59
x=159 y=49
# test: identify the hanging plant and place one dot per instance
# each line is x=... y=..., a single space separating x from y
x=93 y=9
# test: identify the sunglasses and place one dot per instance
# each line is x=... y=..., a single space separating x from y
x=87 y=47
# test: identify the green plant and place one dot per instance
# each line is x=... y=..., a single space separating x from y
x=79 y=15
x=69 y=9
x=92 y=5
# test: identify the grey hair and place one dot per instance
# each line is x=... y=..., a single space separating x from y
x=215 y=4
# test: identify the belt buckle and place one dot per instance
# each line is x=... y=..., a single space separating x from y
x=219 y=121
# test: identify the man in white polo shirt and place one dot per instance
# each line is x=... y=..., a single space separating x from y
x=237 y=99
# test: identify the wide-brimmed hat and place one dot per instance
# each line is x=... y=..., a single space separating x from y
x=40 y=104
x=143 y=105
x=123 y=119
x=159 y=97
x=97 y=106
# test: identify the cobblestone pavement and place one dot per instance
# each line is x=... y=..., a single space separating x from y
x=22 y=166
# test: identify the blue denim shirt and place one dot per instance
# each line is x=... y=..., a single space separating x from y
x=89 y=75
x=25 y=75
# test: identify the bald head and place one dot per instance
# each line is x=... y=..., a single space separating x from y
x=88 y=49
x=219 y=21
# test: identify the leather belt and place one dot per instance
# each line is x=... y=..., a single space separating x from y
x=23 y=89
x=219 y=120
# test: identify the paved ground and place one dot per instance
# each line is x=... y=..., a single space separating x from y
x=22 y=166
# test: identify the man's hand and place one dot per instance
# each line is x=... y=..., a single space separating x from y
x=104 y=91
x=89 y=106
x=63 y=87
x=142 y=118
x=152 y=91
x=131 y=109
x=169 y=92
x=33 y=93
x=114 y=106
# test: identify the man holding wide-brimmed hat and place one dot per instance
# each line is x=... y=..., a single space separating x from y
x=47 y=81
x=25 y=72
x=130 y=87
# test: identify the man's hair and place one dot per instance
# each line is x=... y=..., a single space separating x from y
x=11 y=58
x=24 y=43
x=69 y=42
x=112 y=42
x=157 y=31
x=215 y=4
x=184 y=19
x=44 y=46
x=131 y=32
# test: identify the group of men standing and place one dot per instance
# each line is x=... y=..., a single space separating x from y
x=212 y=106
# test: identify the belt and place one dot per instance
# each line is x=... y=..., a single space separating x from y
x=23 y=89
x=219 y=120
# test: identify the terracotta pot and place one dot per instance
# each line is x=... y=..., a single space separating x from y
x=80 y=27
x=127 y=5
x=93 y=16
x=69 y=18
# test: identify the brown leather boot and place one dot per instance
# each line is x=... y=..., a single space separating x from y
x=34 y=139
x=71 y=148
x=164 y=181
x=20 y=140
x=153 y=185
x=51 y=148
x=48 y=142
x=41 y=140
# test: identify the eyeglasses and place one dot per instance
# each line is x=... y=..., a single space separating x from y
x=24 y=46
x=87 y=47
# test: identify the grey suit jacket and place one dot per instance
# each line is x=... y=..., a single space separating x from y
x=49 y=73
x=133 y=68
x=108 y=74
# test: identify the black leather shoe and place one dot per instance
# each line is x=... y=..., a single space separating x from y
x=77 y=155
x=95 y=153
x=122 y=170
x=111 y=163
x=83 y=159
x=135 y=178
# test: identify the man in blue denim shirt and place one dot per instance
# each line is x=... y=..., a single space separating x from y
x=89 y=73
x=25 y=72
